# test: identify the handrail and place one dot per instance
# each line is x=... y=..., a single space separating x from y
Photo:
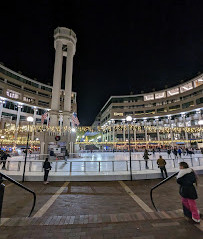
x=159 y=184
x=21 y=186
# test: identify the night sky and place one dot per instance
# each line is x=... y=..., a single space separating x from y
x=123 y=46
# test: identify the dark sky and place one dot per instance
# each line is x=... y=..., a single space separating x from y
x=123 y=46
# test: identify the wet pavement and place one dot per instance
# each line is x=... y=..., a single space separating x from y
x=81 y=210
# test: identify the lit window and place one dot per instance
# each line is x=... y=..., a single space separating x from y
x=160 y=95
x=186 y=87
x=28 y=99
x=174 y=91
x=118 y=114
x=198 y=82
x=149 y=97
x=12 y=94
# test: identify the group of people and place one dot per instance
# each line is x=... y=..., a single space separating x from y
x=178 y=152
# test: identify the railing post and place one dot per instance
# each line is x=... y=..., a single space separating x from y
x=191 y=162
x=112 y=166
x=70 y=167
x=84 y=166
x=2 y=187
x=99 y=166
x=19 y=164
x=199 y=161
x=8 y=164
x=56 y=166
x=127 y=165
x=140 y=164
x=30 y=166
x=152 y=165
x=174 y=163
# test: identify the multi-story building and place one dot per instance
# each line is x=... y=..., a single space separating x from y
x=179 y=106
x=21 y=97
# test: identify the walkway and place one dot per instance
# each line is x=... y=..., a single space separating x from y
x=97 y=210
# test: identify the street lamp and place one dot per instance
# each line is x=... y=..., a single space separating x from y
x=129 y=120
x=29 y=120
x=200 y=122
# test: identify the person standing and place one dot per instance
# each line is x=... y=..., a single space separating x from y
x=153 y=151
x=162 y=165
x=187 y=178
x=146 y=157
x=169 y=152
x=47 y=167
x=175 y=152
x=179 y=152
x=4 y=157
x=66 y=156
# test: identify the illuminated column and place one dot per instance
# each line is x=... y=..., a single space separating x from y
x=55 y=101
x=34 y=123
x=68 y=84
x=186 y=133
x=123 y=132
x=48 y=119
x=60 y=121
x=145 y=129
x=157 y=125
x=18 y=115
x=171 y=130
x=1 y=108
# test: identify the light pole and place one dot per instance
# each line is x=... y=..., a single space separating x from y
x=200 y=122
x=129 y=120
x=29 y=119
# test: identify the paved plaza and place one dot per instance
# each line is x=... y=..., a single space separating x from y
x=97 y=210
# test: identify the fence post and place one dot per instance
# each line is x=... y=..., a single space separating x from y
x=70 y=167
x=112 y=166
x=99 y=166
x=2 y=187
x=30 y=166
x=127 y=165
x=84 y=166
x=140 y=164
x=56 y=166
x=191 y=162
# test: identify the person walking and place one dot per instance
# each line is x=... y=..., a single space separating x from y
x=187 y=179
x=162 y=165
x=179 y=152
x=47 y=167
x=146 y=157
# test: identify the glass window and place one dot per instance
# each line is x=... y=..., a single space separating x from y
x=188 y=104
x=186 y=87
x=160 y=95
x=117 y=114
x=150 y=111
x=149 y=97
x=174 y=91
x=13 y=94
x=198 y=82
x=199 y=101
x=139 y=112
x=174 y=107
x=28 y=99
x=161 y=110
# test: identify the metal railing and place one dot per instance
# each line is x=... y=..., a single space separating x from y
x=98 y=166
x=159 y=184
x=19 y=185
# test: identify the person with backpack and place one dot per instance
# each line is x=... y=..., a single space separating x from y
x=47 y=167
x=162 y=165
x=187 y=180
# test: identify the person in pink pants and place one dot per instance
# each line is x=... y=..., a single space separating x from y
x=187 y=180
